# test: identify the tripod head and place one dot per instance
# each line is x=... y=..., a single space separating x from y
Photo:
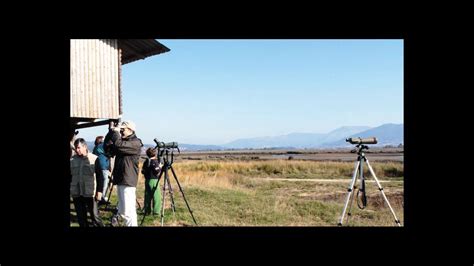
x=359 y=149
x=166 y=151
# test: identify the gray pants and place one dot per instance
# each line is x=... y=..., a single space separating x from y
x=105 y=175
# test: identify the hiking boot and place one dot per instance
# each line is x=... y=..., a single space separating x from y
x=115 y=221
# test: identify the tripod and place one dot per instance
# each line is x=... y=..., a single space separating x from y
x=350 y=195
x=166 y=183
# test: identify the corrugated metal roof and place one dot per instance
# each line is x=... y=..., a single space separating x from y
x=136 y=49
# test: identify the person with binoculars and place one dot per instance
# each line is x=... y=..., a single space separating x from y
x=122 y=142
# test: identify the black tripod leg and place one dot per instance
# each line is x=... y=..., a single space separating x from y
x=163 y=197
x=180 y=189
x=363 y=196
x=143 y=219
x=138 y=203
x=170 y=189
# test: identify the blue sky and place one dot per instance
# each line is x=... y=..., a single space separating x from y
x=216 y=91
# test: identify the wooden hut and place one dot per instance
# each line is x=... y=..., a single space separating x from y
x=96 y=91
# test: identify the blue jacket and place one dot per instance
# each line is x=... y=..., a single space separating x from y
x=103 y=159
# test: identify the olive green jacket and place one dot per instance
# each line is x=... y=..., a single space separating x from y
x=83 y=181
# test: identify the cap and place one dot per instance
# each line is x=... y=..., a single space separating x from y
x=128 y=124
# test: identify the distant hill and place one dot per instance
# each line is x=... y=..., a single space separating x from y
x=195 y=147
x=343 y=132
x=386 y=134
x=296 y=140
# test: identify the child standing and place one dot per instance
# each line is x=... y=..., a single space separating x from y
x=151 y=169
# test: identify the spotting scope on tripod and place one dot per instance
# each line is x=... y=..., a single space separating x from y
x=165 y=152
x=361 y=197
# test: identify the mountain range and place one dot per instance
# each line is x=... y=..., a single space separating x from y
x=386 y=134
x=296 y=140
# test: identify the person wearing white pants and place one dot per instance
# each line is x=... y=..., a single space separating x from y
x=127 y=204
x=122 y=143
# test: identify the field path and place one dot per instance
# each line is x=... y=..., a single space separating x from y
x=321 y=180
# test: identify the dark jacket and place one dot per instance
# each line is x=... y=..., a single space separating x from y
x=151 y=168
x=127 y=154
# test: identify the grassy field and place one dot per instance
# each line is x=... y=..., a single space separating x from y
x=274 y=193
x=342 y=155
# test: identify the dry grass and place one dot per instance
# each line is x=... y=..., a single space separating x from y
x=230 y=174
x=238 y=193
